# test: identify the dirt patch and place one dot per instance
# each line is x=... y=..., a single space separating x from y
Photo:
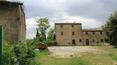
x=72 y=51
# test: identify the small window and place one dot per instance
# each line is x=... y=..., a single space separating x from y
x=101 y=33
x=61 y=26
x=86 y=33
x=72 y=25
x=72 y=33
x=101 y=40
x=18 y=18
x=80 y=40
x=93 y=40
x=93 y=33
x=61 y=33
x=54 y=37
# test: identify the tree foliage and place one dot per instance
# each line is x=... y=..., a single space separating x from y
x=8 y=55
x=43 y=25
x=21 y=54
x=50 y=36
x=111 y=28
x=45 y=34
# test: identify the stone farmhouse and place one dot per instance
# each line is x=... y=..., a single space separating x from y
x=12 y=17
x=72 y=34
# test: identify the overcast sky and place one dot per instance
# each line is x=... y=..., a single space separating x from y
x=91 y=13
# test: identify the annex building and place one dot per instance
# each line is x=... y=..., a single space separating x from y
x=72 y=34
x=12 y=18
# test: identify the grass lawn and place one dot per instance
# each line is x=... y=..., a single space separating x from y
x=108 y=57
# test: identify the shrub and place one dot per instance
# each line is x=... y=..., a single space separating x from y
x=21 y=54
x=51 y=43
x=9 y=57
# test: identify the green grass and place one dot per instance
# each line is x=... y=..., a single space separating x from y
x=109 y=57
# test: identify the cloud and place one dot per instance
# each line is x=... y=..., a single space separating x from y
x=91 y=13
x=31 y=26
x=97 y=9
x=86 y=23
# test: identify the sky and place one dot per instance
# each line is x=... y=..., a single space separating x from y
x=91 y=13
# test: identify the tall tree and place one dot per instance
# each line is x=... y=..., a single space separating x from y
x=111 y=28
x=43 y=25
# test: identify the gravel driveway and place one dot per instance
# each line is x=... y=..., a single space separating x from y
x=71 y=51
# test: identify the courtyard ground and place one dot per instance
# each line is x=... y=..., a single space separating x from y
x=78 y=55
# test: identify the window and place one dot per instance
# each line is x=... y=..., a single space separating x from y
x=93 y=40
x=61 y=26
x=72 y=25
x=80 y=40
x=18 y=18
x=101 y=40
x=86 y=33
x=61 y=33
x=101 y=33
x=54 y=37
x=93 y=33
x=72 y=33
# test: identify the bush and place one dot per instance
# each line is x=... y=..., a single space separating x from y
x=9 y=57
x=21 y=54
x=51 y=43
x=24 y=53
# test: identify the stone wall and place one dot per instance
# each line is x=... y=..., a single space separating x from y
x=71 y=34
x=12 y=17
x=93 y=37
x=68 y=33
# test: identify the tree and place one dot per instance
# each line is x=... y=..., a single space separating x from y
x=111 y=28
x=43 y=25
x=50 y=36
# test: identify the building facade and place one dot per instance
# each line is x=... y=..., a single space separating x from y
x=12 y=18
x=72 y=34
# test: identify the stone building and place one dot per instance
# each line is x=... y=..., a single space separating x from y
x=72 y=34
x=12 y=17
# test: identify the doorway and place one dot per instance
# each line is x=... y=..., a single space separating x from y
x=73 y=42
x=87 y=42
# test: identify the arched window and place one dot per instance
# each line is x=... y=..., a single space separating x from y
x=87 y=41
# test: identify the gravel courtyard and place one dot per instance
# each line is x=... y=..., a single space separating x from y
x=72 y=51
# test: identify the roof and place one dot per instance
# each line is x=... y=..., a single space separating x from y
x=91 y=30
x=67 y=23
x=10 y=3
